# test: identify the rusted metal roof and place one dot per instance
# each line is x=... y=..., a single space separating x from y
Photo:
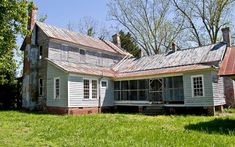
x=89 y=69
x=227 y=67
x=163 y=71
x=199 y=55
x=77 y=38
x=82 y=68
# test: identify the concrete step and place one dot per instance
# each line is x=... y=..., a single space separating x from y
x=153 y=110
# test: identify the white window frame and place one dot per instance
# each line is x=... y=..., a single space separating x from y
x=104 y=81
x=90 y=89
x=40 y=86
x=203 y=85
x=56 y=78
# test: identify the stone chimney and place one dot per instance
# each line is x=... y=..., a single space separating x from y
x=117 y=40
x=226 y=36
x=32 y=17
x=173 y=47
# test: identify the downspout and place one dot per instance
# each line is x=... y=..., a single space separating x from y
x=99 y=101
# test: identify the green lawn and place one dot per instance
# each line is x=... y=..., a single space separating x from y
x=24 y=129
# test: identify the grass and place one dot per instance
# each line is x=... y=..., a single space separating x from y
x=25 y=129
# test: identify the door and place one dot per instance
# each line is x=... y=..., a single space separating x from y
x=156 y=90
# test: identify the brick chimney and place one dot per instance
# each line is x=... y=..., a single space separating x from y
x=116 y=39
x=173 y=47
x=226 y=36
x=32 y=17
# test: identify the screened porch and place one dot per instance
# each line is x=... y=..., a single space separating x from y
x=168 y=90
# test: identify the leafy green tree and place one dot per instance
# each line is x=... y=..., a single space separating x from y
x=13 y=22
x=13 y=18
x=129 y=44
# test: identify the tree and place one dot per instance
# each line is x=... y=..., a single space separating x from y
x=91 y=27
x=129 y=44
x=149 y=21
x=13 y=18
x=203 y=18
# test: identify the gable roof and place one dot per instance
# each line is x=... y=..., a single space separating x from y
x=199 y=55
x=189 y=60
x=77 y=38
x=228 y=64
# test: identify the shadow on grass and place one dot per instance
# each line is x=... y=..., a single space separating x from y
x=216 y=126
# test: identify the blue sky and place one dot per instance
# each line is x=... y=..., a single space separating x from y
x=61 y=12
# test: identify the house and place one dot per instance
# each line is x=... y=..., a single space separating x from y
x=69 y=73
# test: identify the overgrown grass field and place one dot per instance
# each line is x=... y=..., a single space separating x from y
x=24 y=129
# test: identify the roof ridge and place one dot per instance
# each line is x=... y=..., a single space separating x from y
x=93 y=38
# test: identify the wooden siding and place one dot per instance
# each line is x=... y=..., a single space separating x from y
x=53 y=72
x=75 y=86
x=218 y=89
x=57 y=52
x=42 y=40
x=207 y=99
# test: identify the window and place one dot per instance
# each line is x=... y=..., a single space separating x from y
x=82 y=52
x=40 y=87
x=197 y=86
x=57 y=88
x=90 y=90
x=104 y=84
x=86 y=87
x=94 y=89
x=40 y=52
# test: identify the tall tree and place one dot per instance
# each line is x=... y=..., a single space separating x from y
x=13 y=18
x=149 y=21
x=204 y=18
x=91 y=27
x=129 y=44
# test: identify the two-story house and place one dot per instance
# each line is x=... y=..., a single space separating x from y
x=69 y=73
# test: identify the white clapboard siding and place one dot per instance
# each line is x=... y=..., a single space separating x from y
x=53 y=72
x=207 y=100
x=76 y=99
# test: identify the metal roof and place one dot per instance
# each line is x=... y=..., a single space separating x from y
x=199 y=55
x=163 y=71
x=88 y=69
x=228 y=65
x=77 y=38
x=83 y=68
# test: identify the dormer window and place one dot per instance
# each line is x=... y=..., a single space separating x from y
x=82 y=52
x=40 y=52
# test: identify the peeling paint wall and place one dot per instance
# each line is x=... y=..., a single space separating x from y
x=34 y=69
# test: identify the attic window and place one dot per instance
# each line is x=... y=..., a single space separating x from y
x=82 y=52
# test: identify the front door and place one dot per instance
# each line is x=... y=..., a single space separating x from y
x=156 y=90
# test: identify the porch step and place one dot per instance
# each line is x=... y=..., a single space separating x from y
x=153 y=110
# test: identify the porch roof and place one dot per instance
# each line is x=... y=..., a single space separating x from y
x=89 y=69
x=165 y=71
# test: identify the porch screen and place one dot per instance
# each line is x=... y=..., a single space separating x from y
x=131 y=90
x=173 y=89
